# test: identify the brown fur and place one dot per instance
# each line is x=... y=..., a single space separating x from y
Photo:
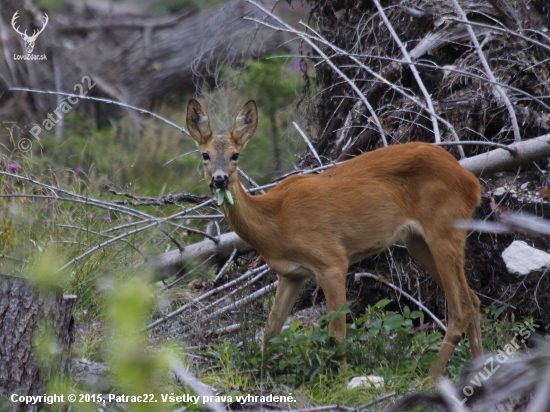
x=317 y=225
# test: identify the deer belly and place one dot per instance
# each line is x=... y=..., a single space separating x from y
x=288 y=268
x=362 y=248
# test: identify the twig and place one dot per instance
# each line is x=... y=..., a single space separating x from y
x=308 y=143
x=103 y=244
x=248 y=179
x=488 y=71
x=235 y=305
x=427 y=97
x=179 y=157
x=180 y=247
x=170 y=199
x=13 y=258
x=506 y=31
x=378 y=399
x=227 y=329
x=234 y=291
x=180 y=278
x=202 y=297
x=87 y=230
x=432 y=65
x=81 y=199
x=225 y=266
x=391 y=285
x=108 y=101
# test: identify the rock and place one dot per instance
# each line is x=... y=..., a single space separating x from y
x=371 y=381
x=499 y=191
x=522 y=259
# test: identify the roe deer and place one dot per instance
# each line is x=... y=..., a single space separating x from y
x=316 y=225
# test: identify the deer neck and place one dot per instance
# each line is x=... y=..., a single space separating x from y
x=253 y=217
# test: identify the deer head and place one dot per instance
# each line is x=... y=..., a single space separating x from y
x=29 y=40
x=220 y=153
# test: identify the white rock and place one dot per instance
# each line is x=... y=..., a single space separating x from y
x=371 y=381
x=522 y=259
x=499 y=191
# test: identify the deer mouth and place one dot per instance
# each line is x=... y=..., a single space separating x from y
x=219 y=182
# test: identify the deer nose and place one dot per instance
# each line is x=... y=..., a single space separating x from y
x=220 y=181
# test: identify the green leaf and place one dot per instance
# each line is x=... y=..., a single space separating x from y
x=382 y=304
x=229 y=197
x=415 y=314
x=219 y=195
x=295 y=325
x=499 y=311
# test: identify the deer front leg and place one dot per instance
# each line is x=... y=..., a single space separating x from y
x=288 y=290
x=333 y=283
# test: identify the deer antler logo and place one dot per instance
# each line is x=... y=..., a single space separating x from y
x=29 y=40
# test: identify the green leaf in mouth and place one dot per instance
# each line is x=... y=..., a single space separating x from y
x=224 y=197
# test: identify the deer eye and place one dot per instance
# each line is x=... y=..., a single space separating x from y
x=205 y=156
x=235 y=156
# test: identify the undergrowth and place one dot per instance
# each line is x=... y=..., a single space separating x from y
x=307 y=361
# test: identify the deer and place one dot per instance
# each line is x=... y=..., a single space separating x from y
x=29 y=40
x=316 y=225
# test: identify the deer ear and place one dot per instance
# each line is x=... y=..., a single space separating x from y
x=245 y=123
x=198 y=122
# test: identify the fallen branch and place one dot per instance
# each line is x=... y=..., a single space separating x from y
x=498 y=160
x=176 y=262
x=204 y=296
x=175 y=199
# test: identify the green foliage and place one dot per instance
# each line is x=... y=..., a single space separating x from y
x=136 y=371
x=380 y=342
x=383 y=341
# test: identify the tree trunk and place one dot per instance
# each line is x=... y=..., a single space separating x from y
x=32 y=321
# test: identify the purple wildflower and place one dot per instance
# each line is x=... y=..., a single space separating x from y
x=45 y=220
x=81 y=330
x=89 y=217
x=107 y=218
x=13 y=167
x=79 y=169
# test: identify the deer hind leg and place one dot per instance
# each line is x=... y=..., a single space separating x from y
x=474 y=328
x=288 y=290
x=443 y=261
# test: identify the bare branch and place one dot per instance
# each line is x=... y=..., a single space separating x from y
x=204 y=296
x=108 y=101
x=489 y=71
x=313 y=151
x=226 y=265
x=427 y=97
